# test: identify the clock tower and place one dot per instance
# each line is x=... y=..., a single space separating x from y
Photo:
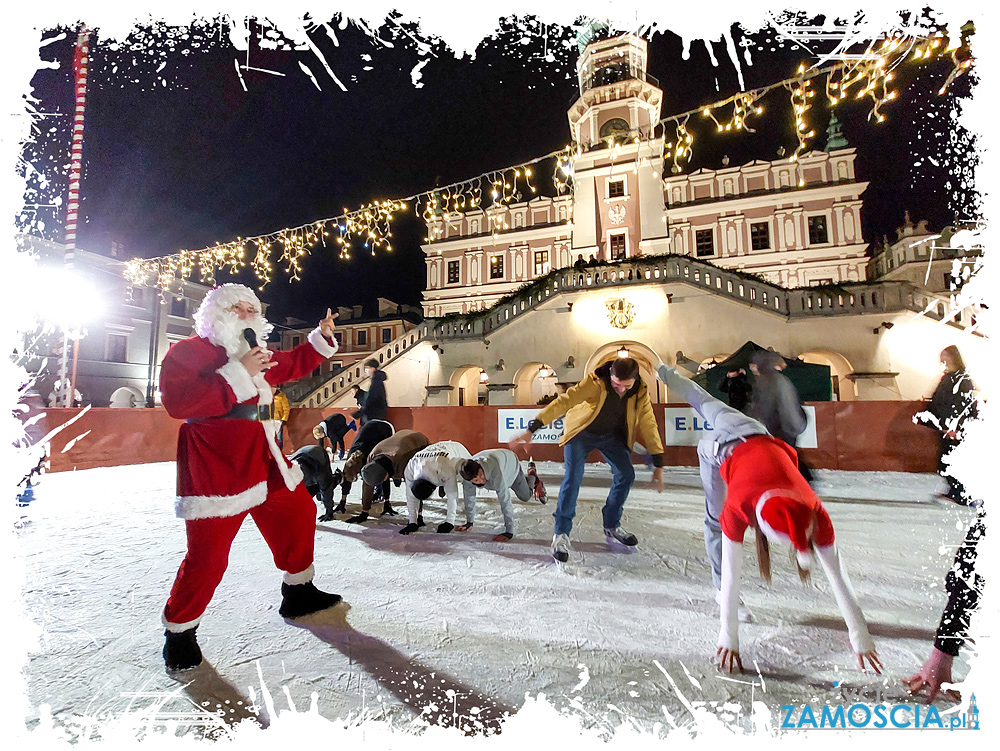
x=617 y=174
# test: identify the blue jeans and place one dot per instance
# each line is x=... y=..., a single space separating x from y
x=575 y=452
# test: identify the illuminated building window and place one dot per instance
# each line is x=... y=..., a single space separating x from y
x=616 y=245
x=496 y=267
x=454 y=268
x=541 y=262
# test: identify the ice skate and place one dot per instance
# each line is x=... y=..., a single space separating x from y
x=181 y=650
x=560 y=548
x=620 y=534
x=298 y=600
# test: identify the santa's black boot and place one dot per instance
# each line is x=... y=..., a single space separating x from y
x=298 y=600
x=181 y=650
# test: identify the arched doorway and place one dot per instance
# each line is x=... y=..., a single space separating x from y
x=642 y=354
x=843 y=387
x=467 y=387
x=533 y=382
x=127 y=396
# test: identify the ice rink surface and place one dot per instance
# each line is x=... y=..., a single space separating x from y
x=467 y=626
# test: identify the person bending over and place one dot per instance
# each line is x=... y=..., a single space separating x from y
x=765 y=490
x=434 y=467
x=500 y=471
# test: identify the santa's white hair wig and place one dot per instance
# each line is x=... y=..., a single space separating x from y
x=215 y=322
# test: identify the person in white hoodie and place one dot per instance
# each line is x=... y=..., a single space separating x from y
x=764 y=490
x=498 y=470
x=435 y=467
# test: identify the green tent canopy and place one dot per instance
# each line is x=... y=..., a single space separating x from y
x=811 y=381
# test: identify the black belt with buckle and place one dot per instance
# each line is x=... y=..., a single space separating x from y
x=255 y=412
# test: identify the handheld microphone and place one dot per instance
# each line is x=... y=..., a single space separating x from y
x=251 y=336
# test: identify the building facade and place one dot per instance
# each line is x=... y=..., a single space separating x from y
x=686 y=269
x=118 y=357
x=794 y=222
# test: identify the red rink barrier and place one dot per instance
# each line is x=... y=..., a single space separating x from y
x=851 y=435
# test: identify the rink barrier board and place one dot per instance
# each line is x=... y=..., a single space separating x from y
x=866 y=436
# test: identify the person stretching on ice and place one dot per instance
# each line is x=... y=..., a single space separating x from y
x=433 y=467
x=229 y=465
x=763 y=489
x=500 y=471
x=603 y=412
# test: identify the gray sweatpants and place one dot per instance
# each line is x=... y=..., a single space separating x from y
x=728 y=425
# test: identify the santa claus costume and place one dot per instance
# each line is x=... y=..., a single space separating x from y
x=229 y=464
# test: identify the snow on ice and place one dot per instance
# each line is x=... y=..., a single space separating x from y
x=457 y=630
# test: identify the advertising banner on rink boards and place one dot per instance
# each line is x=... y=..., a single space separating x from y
x=513 y=422
x=684 y=427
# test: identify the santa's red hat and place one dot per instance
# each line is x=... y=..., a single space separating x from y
x=786 y=519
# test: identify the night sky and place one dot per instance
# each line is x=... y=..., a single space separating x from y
x=200 y=160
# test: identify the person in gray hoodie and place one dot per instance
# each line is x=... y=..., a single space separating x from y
x=498 y=470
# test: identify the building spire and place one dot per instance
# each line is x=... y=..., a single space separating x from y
x=834 y=135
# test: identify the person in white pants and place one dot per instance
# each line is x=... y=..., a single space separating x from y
x=434 y=467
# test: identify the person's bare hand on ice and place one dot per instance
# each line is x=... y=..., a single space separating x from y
x=658 y=479
x=873 y=660
x=730 y=656
x=935 y=672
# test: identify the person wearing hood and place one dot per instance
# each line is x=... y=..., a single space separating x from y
x=775 y=403
x=436 y=466
x=386 y=463
x=604 y=412
x=764 y=490
x=375 y=404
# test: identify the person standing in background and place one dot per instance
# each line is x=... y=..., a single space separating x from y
x=282 y=410
x=375 y=404
x=951 y=405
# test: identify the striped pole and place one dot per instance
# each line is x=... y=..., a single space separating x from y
x=81 y=62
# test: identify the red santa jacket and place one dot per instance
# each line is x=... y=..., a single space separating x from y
x=763 y=464
x=223 y=464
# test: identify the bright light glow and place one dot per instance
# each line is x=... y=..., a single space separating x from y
x=916 y=345
x=68 y=299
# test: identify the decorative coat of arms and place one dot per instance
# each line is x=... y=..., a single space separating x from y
x=616 y=214
x=621 y=312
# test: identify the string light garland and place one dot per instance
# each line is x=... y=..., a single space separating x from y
x=868 y=75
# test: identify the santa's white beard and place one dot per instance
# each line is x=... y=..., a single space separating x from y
x=227 y=331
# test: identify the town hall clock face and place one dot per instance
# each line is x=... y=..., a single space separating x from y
x=615 y=128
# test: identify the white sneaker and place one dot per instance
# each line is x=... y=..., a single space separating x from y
x=560 y=548
x=743 y=614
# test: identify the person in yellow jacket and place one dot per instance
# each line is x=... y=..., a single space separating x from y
x=282 y=410
x=606 y=411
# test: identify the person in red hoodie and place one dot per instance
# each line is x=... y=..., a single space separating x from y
x=766 y=491
x=228 y=461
